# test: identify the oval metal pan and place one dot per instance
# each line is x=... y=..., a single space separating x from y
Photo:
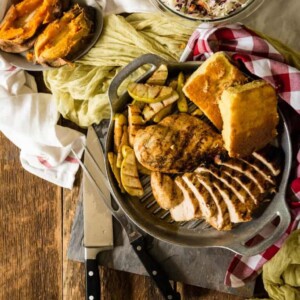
x=19 y=60
x=146 y=214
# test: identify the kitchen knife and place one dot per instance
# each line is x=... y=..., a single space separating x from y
x=98 y=233
x=136 y=239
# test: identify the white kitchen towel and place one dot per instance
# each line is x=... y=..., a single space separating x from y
x=29 y=120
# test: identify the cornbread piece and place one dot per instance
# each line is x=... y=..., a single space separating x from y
x=206 y=84
x=250 y=117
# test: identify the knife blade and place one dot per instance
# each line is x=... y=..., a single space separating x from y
x=136 y=239
x=98 y=233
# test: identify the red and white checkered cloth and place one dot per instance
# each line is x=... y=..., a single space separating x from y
x=263 y=60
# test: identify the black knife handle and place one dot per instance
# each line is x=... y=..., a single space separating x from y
x=154 y=270
x=92 y=280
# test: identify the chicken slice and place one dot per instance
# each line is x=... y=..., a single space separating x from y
x=236 y=187
x=260 y=168
x=207 y=204
x=165 y=191
x=271 y=157
x=221 y=220
x=188 y=209
x=238 y=211
x=248 y=184
x=246 y=169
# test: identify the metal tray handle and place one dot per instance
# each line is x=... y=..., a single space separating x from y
x=285 y=219
x=150 y=59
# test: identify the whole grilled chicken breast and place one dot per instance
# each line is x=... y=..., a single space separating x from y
x=177 y=144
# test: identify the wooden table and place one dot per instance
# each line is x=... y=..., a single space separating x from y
x=36 y=218
x=35 y=225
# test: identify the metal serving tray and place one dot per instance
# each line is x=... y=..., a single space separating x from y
x=155 y=221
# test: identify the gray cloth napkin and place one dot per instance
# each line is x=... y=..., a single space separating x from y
x=200 y=267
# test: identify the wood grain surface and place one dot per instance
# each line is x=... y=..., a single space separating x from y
x=35 y=224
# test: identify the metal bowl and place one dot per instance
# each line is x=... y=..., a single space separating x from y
x=19 y=59
x=237 y=15
x=148 y=216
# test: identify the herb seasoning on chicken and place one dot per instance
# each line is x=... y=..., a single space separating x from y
x=177 y=144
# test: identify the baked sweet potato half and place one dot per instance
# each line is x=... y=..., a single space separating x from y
x=63 y=38
x=23 y=21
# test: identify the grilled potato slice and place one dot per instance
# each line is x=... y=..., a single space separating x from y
x=112 y=158
x=129 y=173
x=152 y=109
x=124 y=142
x=135 y=122
x=159 y=77
x=181 y=102
x=120 y=121
x=167 y=110
x=149 y=93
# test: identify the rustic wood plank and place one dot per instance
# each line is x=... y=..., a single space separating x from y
x=30 y=231
x=122 y=285
x=73 y=272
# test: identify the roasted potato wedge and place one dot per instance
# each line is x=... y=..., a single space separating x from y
x=181 y=102
x=124 y=142
x=129 y=173
x=159 y=77
x=149 y=93
x=163 y=113
x=112 y=158
x=152 y=109
x=120 y=121
x=135 y=122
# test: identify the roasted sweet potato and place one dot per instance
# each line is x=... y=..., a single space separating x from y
x=64 y=37
x=24 y=21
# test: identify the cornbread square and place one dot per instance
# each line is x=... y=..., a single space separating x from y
x=250 y=117
x=206 y=84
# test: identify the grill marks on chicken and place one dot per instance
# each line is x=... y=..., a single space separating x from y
x=231 y=183
x=246 y=169
x=165 y=191
x=177 y=144
x=271 y=157
x=225 y=192
x=187 y=209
